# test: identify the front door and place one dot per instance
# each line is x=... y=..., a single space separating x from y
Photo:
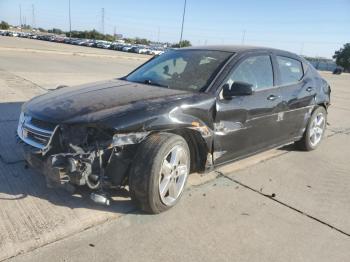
x=246 y=124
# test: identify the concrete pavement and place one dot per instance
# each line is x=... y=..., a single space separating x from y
x=218 y=221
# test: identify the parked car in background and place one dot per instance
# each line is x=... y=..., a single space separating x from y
x=155 y=51
x=118 y=45
x=126 y=48
x=338 y=70
x=14 y=34
x=142 y=50
x=103 y=44
x=91 y=43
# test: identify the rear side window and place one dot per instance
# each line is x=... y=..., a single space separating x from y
x=255 y=70
x=291 y=70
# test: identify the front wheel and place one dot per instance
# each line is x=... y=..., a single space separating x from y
x=159 y=172
x=314 y=131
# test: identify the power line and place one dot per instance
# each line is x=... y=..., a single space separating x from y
x=183 y=21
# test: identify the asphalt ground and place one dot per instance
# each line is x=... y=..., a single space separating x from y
x=281 y=205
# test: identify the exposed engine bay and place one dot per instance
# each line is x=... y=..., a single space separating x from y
x=81 y=155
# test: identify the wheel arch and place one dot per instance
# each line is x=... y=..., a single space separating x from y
x=325 y=105
x=198 y=146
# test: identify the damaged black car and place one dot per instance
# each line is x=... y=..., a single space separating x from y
x=187 y=110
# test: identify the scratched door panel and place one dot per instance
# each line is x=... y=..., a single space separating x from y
x=246 y=124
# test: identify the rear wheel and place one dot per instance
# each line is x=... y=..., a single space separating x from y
x=314 y=131
x=159 y=172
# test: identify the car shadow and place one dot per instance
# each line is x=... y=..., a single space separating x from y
x=18 y=180
x=289 y=148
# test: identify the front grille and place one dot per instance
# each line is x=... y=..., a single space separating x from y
x=39 y=138
x=34 y=132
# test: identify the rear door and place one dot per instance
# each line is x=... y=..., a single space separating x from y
x=246 y=124
x=297 y=95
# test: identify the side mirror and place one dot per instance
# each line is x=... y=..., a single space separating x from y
x=237 y=89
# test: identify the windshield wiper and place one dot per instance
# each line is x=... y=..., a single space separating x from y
x=150 y=82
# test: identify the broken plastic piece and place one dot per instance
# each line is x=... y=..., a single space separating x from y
x=100 y=198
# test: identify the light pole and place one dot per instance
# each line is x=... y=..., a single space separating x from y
x=70 y=23
x=183 y=21
x=20 y=16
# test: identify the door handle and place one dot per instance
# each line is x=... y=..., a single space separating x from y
x=271 y=97
x=309 y=89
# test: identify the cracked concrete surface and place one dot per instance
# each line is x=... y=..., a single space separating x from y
x=223 y=217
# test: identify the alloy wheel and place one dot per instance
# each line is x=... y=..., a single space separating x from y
x=173 y=175
x=317 y=129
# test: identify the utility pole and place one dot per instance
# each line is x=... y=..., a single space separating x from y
x=20 y=16
x=70 y=21
x=115 y=33
x=33 y=16
x=243 y=37
x=103 y=21
x=183 y=21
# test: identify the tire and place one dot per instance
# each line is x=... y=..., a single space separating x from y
x=159 y=172
x=307 y=143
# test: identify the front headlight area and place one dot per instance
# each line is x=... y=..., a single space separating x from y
x=84 y=138
x=89 y=138
x=94 y=156
x=128 y=139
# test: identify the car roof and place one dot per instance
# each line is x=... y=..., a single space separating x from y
x=238 y=49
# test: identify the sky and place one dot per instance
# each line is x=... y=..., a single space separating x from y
x=307 y=27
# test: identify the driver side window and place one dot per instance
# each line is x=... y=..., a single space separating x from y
x=255 y=70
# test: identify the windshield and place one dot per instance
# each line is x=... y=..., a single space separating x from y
x=190 y=70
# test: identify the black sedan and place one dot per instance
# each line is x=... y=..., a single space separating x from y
x=187 y=110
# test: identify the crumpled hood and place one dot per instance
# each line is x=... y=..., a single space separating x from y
x=97 y=101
